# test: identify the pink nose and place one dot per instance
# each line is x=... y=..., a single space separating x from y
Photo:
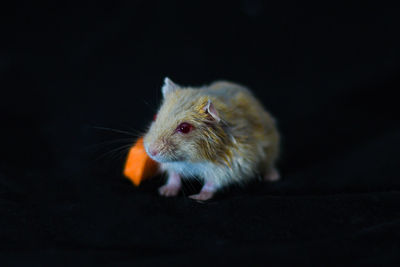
x=153 y=151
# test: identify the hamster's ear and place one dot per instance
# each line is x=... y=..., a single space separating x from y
x=210 y=109
x=168 y=87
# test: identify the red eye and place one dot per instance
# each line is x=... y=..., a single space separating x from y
x=184 y=128
x=155 y=117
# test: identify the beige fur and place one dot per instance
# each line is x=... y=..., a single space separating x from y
x=244 y=144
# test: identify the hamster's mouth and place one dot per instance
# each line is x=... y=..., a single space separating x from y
x=159 y=157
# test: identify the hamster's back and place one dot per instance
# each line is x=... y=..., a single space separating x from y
x=226 y=91
x=239 y=106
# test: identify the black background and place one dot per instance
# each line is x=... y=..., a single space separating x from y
x=327 y=71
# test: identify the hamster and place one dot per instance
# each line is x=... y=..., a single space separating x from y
x=219 y=133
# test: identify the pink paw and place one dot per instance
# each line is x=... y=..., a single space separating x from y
x=272 y=176
x=202 y=196
x=169 y=190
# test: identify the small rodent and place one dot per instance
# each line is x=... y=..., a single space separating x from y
x=219 y=133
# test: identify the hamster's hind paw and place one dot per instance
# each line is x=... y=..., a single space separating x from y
x=202 y=196
x=169 y=190
x=272 y=176
x=206 y=193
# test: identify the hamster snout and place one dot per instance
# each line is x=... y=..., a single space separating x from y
x=153 y=151
x=159 y=151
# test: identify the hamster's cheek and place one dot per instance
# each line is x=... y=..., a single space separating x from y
x=186 y=151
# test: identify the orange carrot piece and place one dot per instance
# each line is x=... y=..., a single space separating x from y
x=139 y=166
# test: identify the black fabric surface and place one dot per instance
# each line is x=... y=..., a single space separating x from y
x=328 y=73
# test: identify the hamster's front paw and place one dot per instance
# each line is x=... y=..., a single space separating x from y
x=169 y=190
